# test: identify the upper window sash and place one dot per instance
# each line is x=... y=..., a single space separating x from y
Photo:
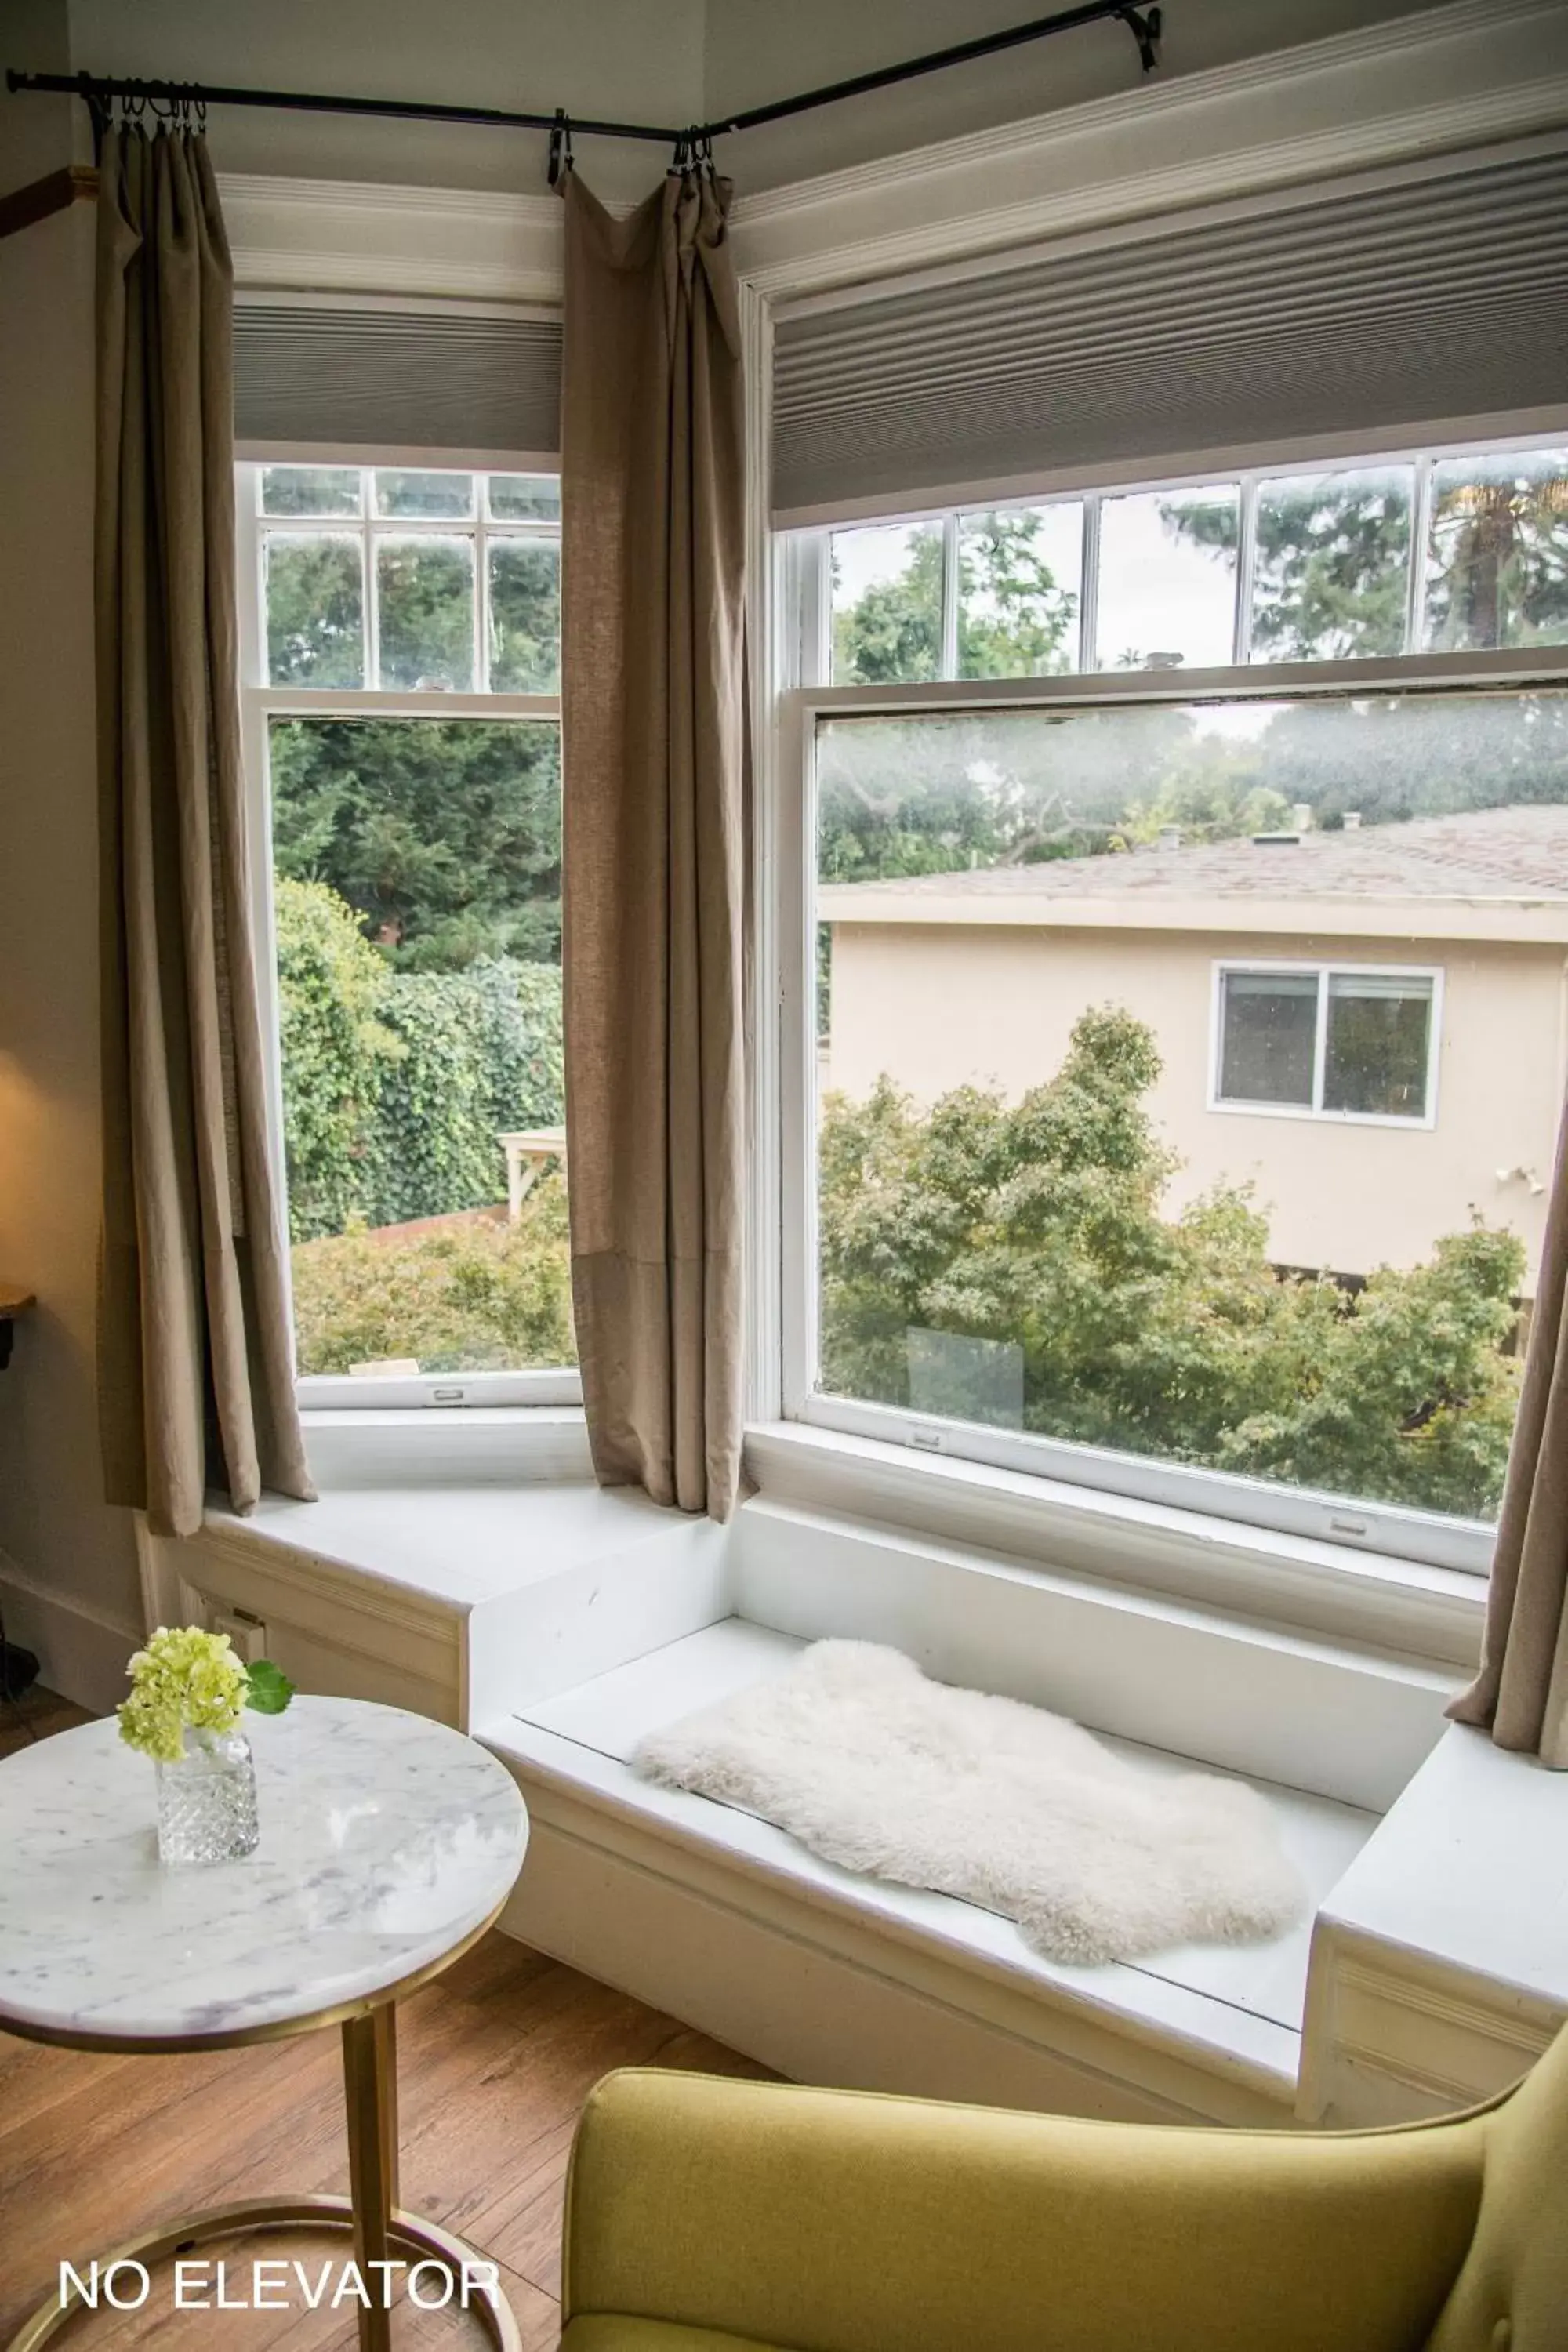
x=479 y=527
x=1092 y=631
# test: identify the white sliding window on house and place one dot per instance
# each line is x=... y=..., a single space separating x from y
x=1120 y=813
x=1351 y=1043
x=400 y=665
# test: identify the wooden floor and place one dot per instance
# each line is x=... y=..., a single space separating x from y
x=35 y=1716
x=495 y=2059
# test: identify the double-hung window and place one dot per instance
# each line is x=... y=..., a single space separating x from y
x=1125 y=808
x=400 y=688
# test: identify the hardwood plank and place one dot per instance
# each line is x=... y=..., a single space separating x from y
x=34 y=1715
x=34 y=2078
x=494 y=2068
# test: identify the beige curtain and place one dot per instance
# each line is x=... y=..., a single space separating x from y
x=194 y=1371
x=1520 y=1695
x=655 y=791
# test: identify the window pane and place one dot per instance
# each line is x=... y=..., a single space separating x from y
x=315 y=609
x=525 y=615
x=426 y=588
x=1379 y=1027
x=1497 y=557
x=1035 y=1209
x=1269 y=1037
x=1333 y=567
x=422 y=497
x=1167 y=580
x=887 y=604
x=310 y=489
x=417 y=891
x=1018 y=576
x=525 y=497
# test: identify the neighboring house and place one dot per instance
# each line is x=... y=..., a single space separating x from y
x=1371 y=1026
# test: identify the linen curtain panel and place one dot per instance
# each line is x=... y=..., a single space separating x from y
x=194 y=1371
x=654 y=766
x=1520 y=1695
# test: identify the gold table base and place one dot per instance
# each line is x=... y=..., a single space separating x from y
x=381 y=2230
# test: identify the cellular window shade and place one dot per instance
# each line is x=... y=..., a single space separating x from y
x=1388 y=306
x=396 y=379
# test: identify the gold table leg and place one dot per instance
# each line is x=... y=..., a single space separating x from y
x=381 y=2230
x=370 y=2097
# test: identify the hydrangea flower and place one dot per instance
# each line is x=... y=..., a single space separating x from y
x=184 y=1677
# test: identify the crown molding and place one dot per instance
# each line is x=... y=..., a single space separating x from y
x=1469 y=73
x=1370 y=47
x=1466 y=75
x=358 y=237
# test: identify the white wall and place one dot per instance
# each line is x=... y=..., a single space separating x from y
x=618 y=58
x=36 y=131
x=67 y=1563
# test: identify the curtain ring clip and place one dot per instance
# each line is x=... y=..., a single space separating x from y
x=560 y=157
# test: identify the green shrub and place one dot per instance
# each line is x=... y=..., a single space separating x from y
x=481 y=1052
x=1036 y=1225
x=475 y=1296
x=398 y=1083
x=336 y=1049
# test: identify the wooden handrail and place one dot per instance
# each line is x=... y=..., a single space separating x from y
x=73 y=184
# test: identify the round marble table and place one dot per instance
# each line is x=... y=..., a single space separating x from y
x=388 y=1846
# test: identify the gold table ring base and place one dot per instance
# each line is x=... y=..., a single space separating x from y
x=425 y=2241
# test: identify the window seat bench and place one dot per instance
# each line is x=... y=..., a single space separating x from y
x=957 y=1988
x=557 y=1623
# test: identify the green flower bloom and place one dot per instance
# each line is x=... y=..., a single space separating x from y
x=184 y=1677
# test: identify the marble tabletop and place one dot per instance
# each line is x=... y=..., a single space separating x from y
x=385 y=1840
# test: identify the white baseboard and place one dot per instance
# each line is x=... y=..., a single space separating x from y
x=81 y=1651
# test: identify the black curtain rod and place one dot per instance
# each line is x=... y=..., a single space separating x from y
x=99 y=90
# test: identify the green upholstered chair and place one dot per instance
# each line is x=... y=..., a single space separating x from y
x=719 y=2216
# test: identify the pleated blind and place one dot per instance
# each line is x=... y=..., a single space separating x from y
x=1368 y=311
x=396 y=379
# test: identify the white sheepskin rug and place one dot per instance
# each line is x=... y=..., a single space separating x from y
x=873 y=1766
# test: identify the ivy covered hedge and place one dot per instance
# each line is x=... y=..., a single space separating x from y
x=397 y=1084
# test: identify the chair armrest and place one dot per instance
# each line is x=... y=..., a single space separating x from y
x=844 y=2221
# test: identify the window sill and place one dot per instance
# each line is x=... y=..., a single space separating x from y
x=426 y=1445
x=1403 y=1607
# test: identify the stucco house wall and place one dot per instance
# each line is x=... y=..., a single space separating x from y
x=937 y=1004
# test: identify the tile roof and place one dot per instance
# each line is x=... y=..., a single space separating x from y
x=1507 y=854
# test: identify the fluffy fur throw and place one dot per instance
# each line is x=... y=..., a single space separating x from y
x=873 y=1766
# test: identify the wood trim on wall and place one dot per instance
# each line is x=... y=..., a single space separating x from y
x=73 y=183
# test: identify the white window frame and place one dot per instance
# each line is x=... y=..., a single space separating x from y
x=1247 y=481
x=800 y=652
x=260 y=703
x=1324 y=973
